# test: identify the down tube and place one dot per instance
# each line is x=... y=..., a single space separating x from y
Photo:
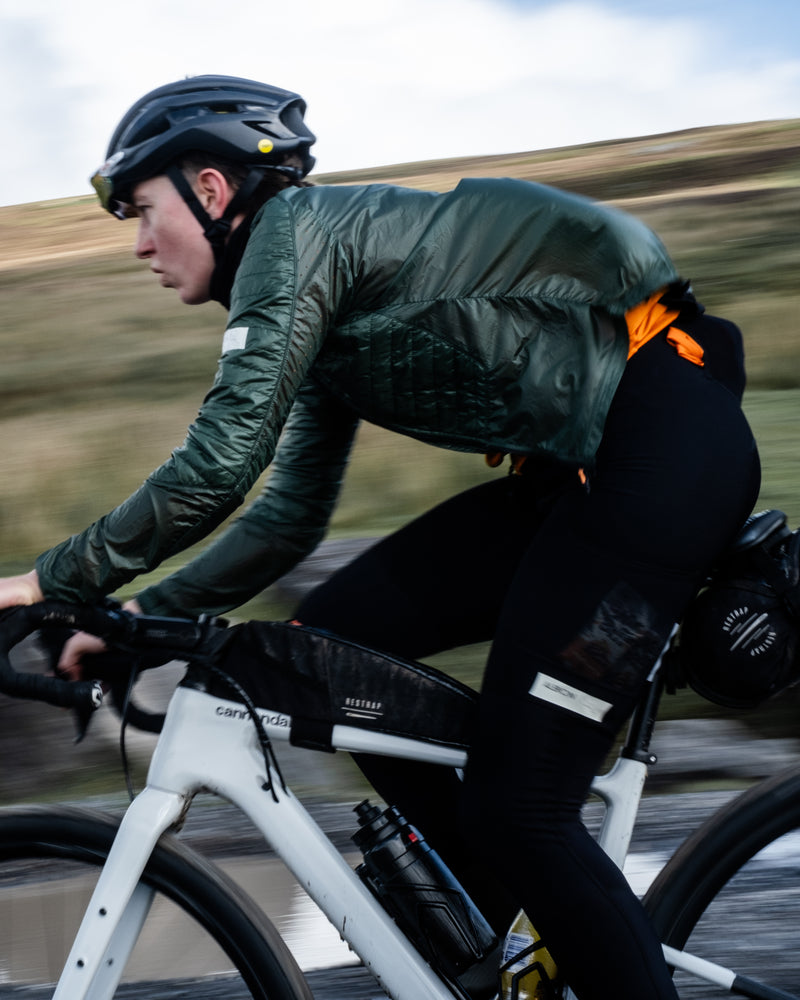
x=203 y=747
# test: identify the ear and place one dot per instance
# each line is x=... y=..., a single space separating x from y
x=213 y=191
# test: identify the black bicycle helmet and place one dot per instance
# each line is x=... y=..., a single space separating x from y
x=248 y=122
x=739 y=642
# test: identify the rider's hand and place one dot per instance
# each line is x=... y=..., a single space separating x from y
x=70 y=663
x=82 y=644
x=23 y=589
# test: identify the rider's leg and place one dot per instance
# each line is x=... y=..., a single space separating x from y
x=681 y=478
x=594 y=597
x=439 y=583
x=530 y=771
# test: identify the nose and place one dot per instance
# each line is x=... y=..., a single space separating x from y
x=143 y=247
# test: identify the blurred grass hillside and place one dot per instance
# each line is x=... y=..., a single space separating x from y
x=102 y=370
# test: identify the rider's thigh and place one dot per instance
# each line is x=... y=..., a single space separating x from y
x=440 y=581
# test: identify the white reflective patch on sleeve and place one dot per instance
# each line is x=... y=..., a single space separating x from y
x=235 y=339
x=561 y=694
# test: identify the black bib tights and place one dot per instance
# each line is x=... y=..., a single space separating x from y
x=581 y=585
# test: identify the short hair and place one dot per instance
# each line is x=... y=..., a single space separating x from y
x=273 y=182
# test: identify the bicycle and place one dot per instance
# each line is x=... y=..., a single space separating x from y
x=217 y=738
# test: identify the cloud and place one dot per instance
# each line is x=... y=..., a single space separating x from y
x=399 y=80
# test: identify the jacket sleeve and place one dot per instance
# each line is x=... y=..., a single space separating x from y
x=284 y=297
x=284 y=524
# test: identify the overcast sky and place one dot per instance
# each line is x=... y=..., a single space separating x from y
x=390 y=81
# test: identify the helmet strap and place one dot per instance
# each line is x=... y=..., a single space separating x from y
x=216 y=231
x=225 y=269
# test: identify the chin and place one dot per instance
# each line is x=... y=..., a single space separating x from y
x=193 y=296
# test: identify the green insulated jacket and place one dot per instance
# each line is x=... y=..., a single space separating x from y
x=487 y=318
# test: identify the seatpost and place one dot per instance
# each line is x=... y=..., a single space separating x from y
x=640 y=731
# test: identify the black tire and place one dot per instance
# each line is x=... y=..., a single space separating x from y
x=731 y=893
x=49 y=861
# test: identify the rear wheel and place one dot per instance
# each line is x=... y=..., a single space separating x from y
x=203 y=937
x=731 y=894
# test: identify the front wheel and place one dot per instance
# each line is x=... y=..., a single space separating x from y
x=203 y=937
x=731 y=895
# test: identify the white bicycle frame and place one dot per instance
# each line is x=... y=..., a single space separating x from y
x=208 y=743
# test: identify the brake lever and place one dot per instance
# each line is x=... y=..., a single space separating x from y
x=84 y=713
x=51 y=642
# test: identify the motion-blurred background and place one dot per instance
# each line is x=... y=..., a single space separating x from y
x=102 y=371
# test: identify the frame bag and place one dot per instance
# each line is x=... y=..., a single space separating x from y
x=316 y=681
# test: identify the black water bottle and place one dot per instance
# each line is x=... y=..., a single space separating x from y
x=423 y=896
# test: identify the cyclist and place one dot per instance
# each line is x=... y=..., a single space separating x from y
x=504 y=318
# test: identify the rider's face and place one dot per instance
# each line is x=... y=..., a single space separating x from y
x=171 y=238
